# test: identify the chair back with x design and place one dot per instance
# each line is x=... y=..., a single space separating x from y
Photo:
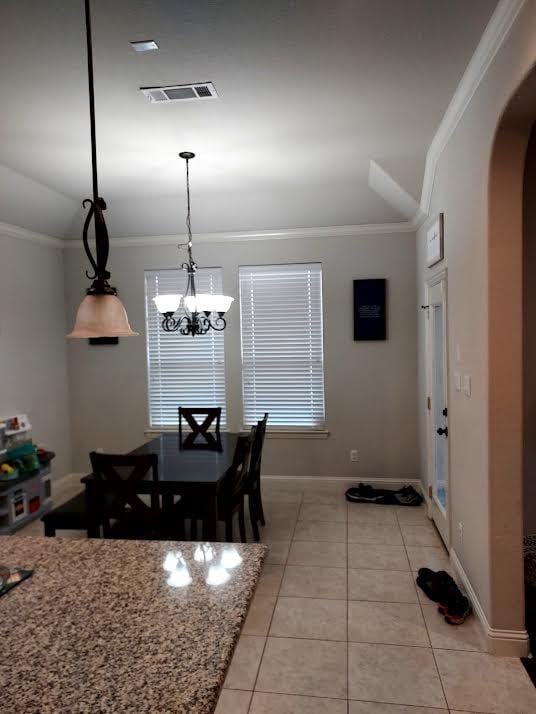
x=211 y=416
x=119 y=477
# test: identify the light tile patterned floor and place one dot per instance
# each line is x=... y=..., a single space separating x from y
x=337 y=625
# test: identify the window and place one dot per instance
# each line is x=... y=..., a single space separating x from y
x=282 y=351
x=182 y=370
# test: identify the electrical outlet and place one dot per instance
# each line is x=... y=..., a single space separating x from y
x=99 y=450
x=354 y=455
x=460 y=529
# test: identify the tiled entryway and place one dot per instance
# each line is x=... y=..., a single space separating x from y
x=338 y=626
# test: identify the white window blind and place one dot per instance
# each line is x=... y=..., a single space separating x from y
x=182 y=370
x=282 y=346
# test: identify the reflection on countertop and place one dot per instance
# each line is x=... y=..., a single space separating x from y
x=122 y=626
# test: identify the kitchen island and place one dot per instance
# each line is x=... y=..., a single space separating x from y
x=121 y=626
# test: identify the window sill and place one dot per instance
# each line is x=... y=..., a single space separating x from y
x=270 y=434
x=297 y=434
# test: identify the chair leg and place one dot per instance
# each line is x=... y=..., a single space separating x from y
x=50 y=530
x=253 y=516
x=260 y=509
x=180 y=529
x=229 y=530
x=193 y=528
x=242 y=523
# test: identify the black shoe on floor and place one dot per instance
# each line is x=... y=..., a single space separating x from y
x=437 y=586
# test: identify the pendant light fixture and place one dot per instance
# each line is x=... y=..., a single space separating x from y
x=101 y=313
x=202 y=311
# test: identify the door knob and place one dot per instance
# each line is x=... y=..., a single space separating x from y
x=443 y=432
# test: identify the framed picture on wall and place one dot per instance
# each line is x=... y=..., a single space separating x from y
x=435 y=242
x=370 y=322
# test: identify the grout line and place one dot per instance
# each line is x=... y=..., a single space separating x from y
x=273 y=611
x=347 y=600
x=343 y=699
x=427 y=630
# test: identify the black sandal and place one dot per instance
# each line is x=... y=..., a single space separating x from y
x=437 y=586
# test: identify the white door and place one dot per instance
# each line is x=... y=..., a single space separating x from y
x=438 y=430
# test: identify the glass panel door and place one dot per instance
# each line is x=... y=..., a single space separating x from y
x=440 y=409
x=438 y=443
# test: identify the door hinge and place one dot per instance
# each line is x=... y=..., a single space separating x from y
x=428 y=403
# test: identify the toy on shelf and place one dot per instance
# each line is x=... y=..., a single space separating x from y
x=25 y=474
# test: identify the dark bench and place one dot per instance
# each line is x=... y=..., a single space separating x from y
x=71 y=515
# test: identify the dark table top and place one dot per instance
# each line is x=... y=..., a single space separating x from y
x=190 y=465
x=180 y=468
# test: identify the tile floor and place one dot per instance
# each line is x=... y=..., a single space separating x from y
x=337 y=625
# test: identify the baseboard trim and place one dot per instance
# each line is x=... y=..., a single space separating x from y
x=504 y=643
x=67 y=479
x=346 y=480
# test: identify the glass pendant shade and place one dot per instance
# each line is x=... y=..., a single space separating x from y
x=201 y=302
x=167 y=303
x=206 y=302
x=221 y=303
x=101 y=316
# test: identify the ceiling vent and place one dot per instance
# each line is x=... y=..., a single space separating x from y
x=180 y=92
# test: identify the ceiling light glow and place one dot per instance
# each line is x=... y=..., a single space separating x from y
x=144 y=46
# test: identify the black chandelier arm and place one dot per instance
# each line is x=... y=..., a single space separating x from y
x=219 y=323
x=193 y=324
x=170 y=323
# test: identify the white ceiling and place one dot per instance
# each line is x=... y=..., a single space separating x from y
x=310 y=92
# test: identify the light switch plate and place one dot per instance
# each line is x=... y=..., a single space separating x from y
x=458 y=381
x=467 y=385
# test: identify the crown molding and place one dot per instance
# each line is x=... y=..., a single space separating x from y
x=282 y=234
x=491 y=41
x=9 y=231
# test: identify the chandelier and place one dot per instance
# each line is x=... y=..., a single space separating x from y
x=202 y=311
x=101 y=313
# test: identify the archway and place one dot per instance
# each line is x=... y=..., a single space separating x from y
x=505 y=363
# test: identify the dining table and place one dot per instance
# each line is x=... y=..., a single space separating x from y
x=192 y=468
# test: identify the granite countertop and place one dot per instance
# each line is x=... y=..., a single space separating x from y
x=98 y=627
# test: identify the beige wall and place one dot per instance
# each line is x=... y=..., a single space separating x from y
x=33 y=355
x=370 y=387
x=461 y=192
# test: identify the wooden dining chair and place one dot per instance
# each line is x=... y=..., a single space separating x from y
x=200 y=427
x=115 y=501
x=230 y=496
x=232 y=490
x=252 y=487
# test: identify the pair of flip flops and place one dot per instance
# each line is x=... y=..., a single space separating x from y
x=364 y=493
x=441 y=588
